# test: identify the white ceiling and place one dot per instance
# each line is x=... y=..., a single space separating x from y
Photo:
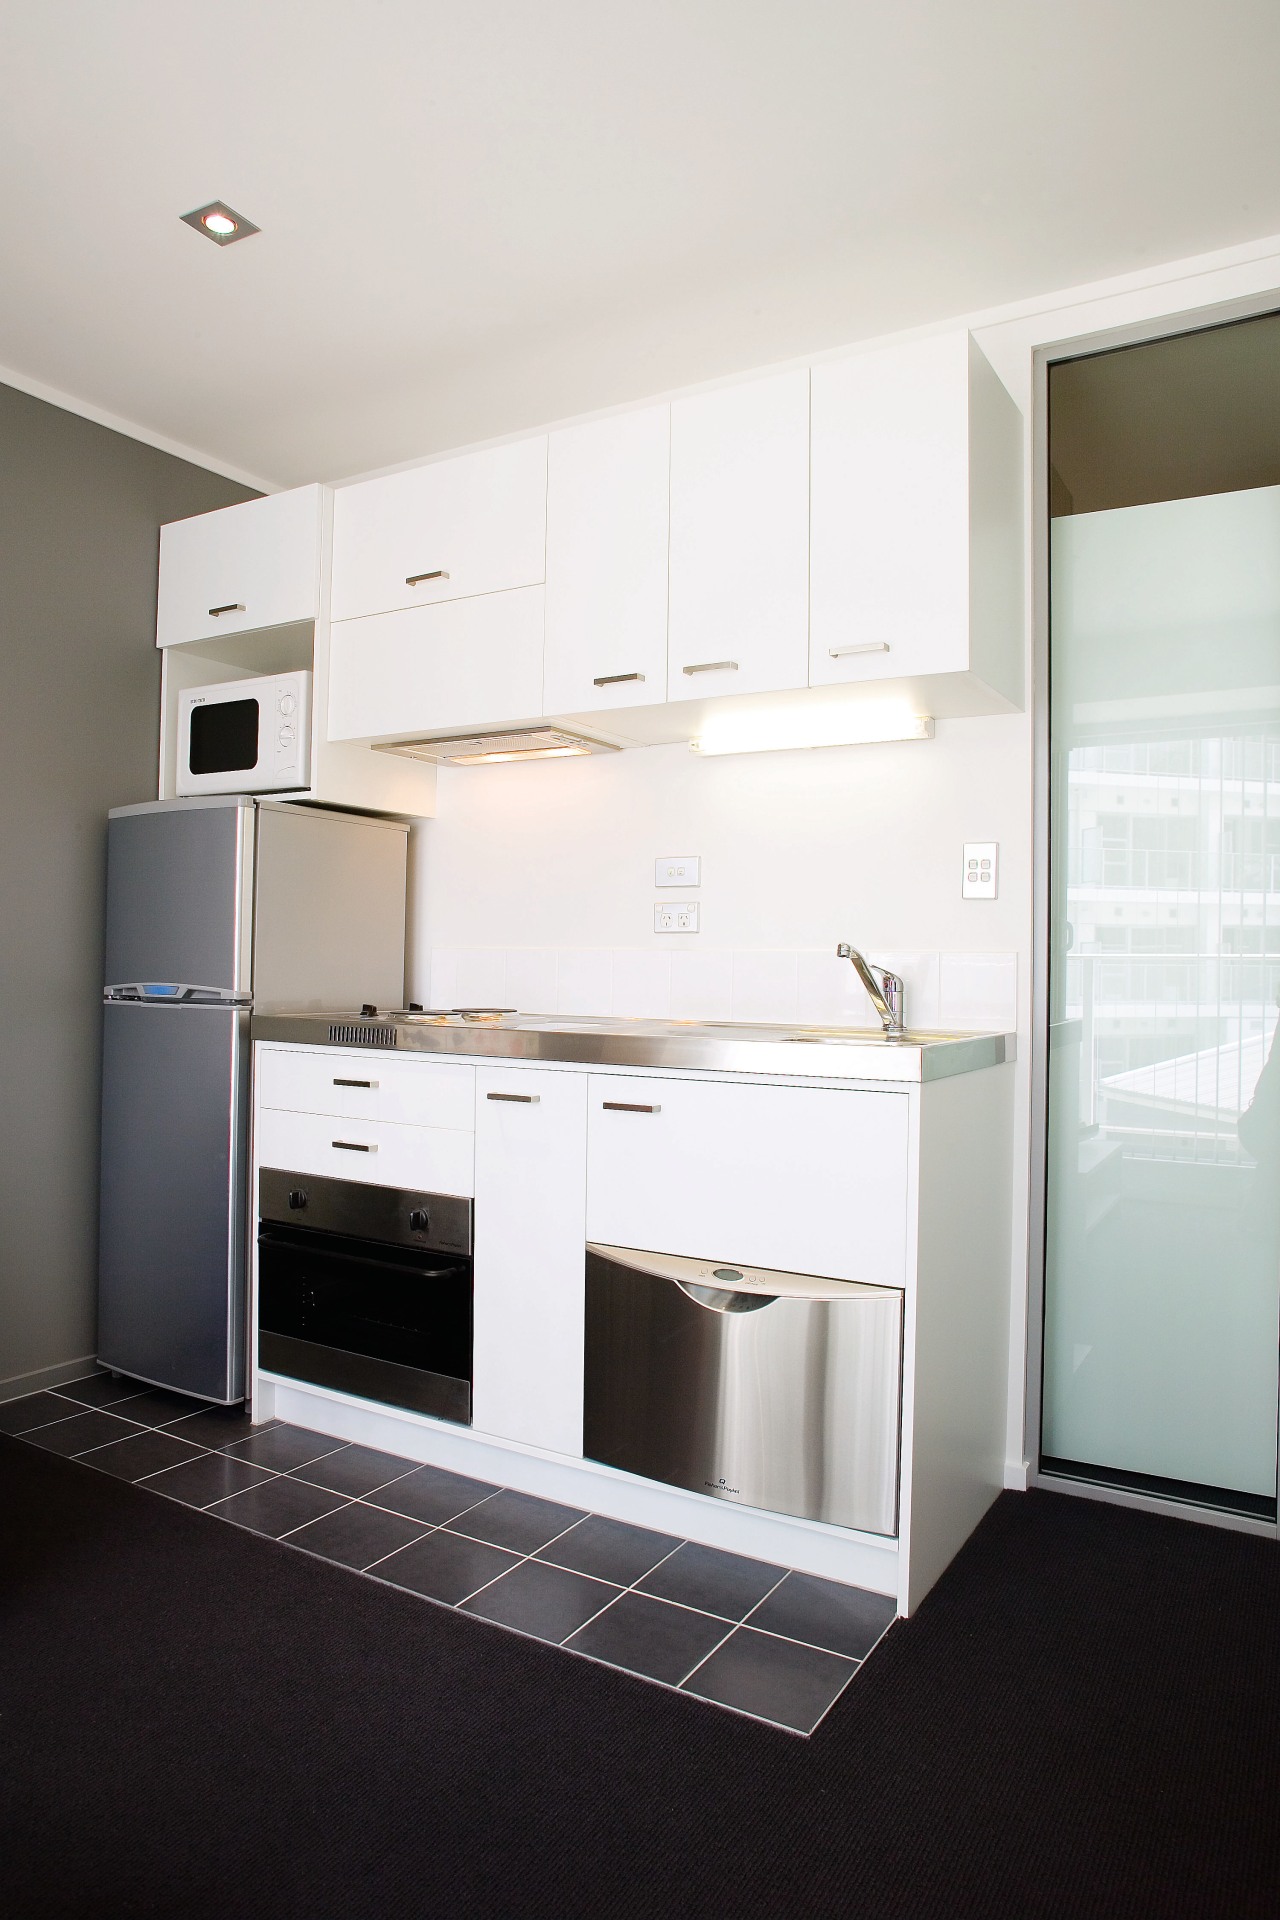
x=478 y=215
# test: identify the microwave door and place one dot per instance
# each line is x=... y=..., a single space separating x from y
x=180 y=895
x=223 y=736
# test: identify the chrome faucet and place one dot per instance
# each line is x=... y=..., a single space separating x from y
x=885 y=989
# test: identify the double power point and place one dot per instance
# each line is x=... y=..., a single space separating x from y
x=682 y=870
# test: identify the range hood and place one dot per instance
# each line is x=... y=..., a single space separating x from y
x=493 y=749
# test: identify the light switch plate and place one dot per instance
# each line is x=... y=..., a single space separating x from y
x=981 y=869
x=675 y=916
x=677 y=870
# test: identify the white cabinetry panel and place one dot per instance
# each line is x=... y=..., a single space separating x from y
x=740 y=539
x=467 y=663
x=531 y=1145
x=473 y=524
x=608 y=521
x=369 y=1086
x=258 y=562
x=804 y=1179
x=423 y=1159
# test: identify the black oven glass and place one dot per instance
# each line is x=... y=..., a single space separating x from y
x=224 y=737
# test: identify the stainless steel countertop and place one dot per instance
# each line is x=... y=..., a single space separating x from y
x=810 y=1053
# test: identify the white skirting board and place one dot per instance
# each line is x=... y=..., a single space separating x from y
x=859 y=1560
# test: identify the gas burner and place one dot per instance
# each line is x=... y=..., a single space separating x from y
x=453 y=1016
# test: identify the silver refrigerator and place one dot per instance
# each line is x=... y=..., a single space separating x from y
x=215 y=906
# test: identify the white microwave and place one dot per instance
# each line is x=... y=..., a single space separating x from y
x=245 y=736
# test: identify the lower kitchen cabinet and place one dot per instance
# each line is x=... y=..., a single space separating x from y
x=531 y=1177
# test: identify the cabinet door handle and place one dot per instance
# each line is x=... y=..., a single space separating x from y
x=714 y=666
x=370 y=1084
x=416 y=579
x=516 y=1099
x=628 y=1106
x=614 y=679
x=352 y=1146
x=232 y=606
x=866 y=646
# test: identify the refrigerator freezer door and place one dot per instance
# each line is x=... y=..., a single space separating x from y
x=179 y=894
x=172 y=1236
x=329 y=911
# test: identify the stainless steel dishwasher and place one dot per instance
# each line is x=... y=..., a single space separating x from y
x=776 y=1390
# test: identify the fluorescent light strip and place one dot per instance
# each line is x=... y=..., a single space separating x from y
x=794 y=728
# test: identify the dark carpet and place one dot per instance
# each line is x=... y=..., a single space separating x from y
x=1083 y=1718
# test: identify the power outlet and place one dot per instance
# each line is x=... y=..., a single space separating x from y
x=675 y=916
x=981 y=870
x=677 y=870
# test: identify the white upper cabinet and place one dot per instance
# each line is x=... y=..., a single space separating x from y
x=608 y=520
x=241 y=568
x=469 y=525
x=469 y=663
x=916 y=517
x=740 y=539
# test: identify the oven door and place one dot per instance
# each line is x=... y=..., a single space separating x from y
x=383 y=1322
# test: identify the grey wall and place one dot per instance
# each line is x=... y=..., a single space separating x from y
x=80 y=512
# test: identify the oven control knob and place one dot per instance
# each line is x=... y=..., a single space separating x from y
x=297 y=1199
x=418 y=1220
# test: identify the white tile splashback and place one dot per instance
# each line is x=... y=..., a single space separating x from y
x=960 y=990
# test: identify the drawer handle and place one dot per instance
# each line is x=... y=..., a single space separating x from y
x=352 y=1146
x=866 y=646
x=628 y=1106
x=232 y=606
x=714 y=666
x=615 y=679
x=369 y=1084
x=416 y=579
x=516 y=1099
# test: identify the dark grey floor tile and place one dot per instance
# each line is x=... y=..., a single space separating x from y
x=277 y=1506
x=609 y=1549
x=103 y=1390
x=82 y=1430
x=213 y=1476
x=432 y=1495
x=715 y=1582
x=282 y=1448
x=774 y=1679
x=141 y=1454
x=842 y=1619
x=355 y=1470
x=444 y=1567
x=651 y=1637
x=517 y=1520
x=157 y=1407
x=34 y=1410
x=545 y=1601
x=358 y=1535
x=216 y=1426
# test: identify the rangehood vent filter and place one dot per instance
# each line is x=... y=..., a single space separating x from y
x=494 y=749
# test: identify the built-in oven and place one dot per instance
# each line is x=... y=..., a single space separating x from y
x=776 y=1390
x=366 y=1289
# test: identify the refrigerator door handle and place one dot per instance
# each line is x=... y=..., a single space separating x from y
x=175 y=990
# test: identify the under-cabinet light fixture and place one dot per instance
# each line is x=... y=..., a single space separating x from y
x=221 y=223
x=793 y=727
x=494 y=749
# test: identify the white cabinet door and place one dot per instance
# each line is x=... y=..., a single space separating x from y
x=608 y=518
x=740 y=539
x=468 y=663
x=254 y=565
x=530 y=1254
x=889 y=587
x=473 y=524
x=805 y=1179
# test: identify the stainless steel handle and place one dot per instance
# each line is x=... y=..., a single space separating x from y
x=516 y=1099
x=866 y=646
x=370 y=1084
x=614 y=679
x=232 y=606
x=713 y=666
x=352 y=1146
x=628 y=1106
x=724 y=1299
x=416 y=579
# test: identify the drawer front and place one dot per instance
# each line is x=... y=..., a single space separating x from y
x=804 y=1179
x=474 y=524
x=362 y=1086
x=422 y=1159
x=473 y=663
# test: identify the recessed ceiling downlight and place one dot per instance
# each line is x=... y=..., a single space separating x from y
x=220 y=223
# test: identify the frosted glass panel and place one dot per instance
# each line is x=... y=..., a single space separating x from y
x=1163 y=1229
